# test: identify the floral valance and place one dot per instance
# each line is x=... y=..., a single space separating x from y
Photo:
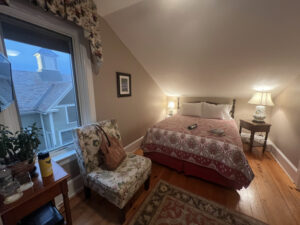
x=81 y=12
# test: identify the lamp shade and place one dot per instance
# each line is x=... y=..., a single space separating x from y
x=171 y=105
x=261 y=98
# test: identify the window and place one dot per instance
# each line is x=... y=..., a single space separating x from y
x=71 y=114
x=43 y=77
x=66 y=137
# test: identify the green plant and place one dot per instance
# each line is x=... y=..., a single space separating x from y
x=6 y=144
x=18 y=146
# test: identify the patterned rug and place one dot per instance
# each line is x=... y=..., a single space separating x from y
x=167 y=205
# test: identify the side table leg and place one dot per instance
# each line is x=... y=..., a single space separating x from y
x=265 y=143
x=53 y=202
x=66 y=203
x=251 y=140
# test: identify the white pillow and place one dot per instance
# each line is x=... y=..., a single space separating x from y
x=226 y=112
x=212 y=111
x=191 y=109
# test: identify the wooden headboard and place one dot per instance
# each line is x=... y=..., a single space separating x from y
x=210 y=100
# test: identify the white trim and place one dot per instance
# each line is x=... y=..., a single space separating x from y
x=135 y=145
x=44 y=130
x=298 y=177
x=64 y=105
x=67 y=116
x=64 y=157
x=49 y=137
x=52 y=129
x=284 y=162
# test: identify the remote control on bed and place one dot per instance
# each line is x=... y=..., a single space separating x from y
x=193 y=126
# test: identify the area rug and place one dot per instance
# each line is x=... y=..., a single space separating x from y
x=170 y=205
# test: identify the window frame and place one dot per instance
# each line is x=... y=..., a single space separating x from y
x=60 y=136
x=82 y=67
x=67 y=114
x=28 y=26
x=66 y=106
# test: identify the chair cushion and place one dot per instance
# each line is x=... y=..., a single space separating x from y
x=119 y=186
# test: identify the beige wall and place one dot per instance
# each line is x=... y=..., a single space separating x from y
x=285 y=131
x=224 y=48
x=136 y=113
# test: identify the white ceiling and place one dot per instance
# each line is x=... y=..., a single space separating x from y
x=211 y=47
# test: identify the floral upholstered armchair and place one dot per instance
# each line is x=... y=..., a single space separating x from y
x=117 y=186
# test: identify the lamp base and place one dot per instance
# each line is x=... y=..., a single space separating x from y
x=259 y=115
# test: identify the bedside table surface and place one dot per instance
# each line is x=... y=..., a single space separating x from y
x=250 y=122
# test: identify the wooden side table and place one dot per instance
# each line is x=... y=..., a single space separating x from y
x=44 y=190
x=255 y=127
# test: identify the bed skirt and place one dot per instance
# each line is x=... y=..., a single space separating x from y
x=192 y=170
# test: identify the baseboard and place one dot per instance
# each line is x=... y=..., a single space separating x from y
x=135 y=145
x=75 y=185
x=298 y=177
x=285 y=163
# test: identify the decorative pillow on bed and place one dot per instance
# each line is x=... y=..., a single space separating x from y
x=212 y=111
x=191 y=109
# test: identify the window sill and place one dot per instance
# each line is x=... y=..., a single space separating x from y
x=64 y=157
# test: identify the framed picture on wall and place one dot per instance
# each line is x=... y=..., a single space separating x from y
x=123 y=84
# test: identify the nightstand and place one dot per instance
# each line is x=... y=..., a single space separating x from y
x=255 y=127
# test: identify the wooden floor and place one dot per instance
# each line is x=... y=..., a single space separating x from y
x=271 y=197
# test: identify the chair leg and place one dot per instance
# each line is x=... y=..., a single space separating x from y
x=147 y=184
x=87 y=192
x=123 y=215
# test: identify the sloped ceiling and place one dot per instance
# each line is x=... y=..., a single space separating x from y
x=211 y=47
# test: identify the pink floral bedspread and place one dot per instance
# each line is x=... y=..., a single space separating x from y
x=223 y=154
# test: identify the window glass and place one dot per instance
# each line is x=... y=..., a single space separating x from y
x=72 y=114
x=66 y=137
x=44 y=86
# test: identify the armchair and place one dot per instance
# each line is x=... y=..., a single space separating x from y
x=117 y=186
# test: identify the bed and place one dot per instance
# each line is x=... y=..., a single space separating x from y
x=198 y=152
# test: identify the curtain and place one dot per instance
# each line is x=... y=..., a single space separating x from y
x=81 y=12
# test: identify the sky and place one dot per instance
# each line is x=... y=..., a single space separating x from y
x=22 y=57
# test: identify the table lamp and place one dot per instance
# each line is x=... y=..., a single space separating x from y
x=261 y=100
x=171 y=106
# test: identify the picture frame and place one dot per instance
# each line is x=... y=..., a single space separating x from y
x=123 y=84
